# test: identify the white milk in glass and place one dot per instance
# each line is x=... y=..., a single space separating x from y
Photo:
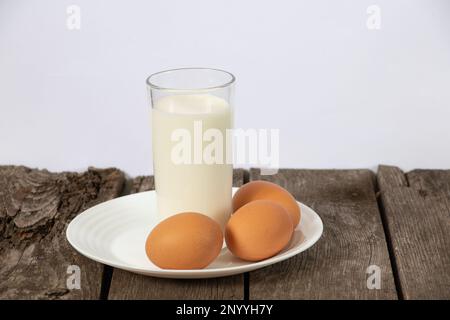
x=196 y=186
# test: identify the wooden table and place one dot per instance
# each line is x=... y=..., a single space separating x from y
x=391 y=224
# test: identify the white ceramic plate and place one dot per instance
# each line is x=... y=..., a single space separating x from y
x=114 y=233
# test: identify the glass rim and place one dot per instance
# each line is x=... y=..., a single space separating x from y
x=155 y=86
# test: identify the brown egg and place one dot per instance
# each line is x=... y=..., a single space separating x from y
x=257 y=190
x=187 y=240
x=258 y=230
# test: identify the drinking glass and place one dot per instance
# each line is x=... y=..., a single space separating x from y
x=192 y=119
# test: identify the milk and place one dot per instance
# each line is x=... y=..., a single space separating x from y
x=196 y=186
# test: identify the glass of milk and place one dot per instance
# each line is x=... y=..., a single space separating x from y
x=192 y=120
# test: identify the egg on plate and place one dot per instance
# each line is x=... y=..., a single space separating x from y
x=258 y=230
x=186 y=240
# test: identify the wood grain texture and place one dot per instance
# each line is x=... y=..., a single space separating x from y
x=434 y=181
x=353 y=239
x=126 y=285
x=35 y=208
x=417 y=215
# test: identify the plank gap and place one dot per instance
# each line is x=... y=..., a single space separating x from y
x=387 y=234
x=246 y=176
x=106 y=281
x=246 y=286
x=408 y=183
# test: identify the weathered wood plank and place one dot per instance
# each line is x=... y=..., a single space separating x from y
x=434 y=181
x=353 y=240
x=418 y=220
x=126 y=285
x=35 y=208
x=392 y=176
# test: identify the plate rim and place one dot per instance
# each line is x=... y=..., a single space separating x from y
x=193 y=273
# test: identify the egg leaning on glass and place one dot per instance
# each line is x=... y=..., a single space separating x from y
x=265 y=190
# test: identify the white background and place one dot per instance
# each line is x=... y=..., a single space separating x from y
x=343 y=96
